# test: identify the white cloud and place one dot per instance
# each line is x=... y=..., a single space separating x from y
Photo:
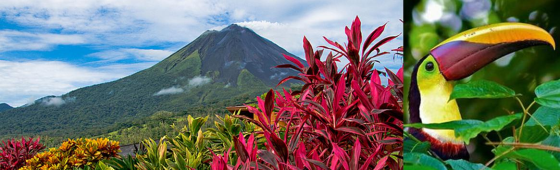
x=23 y=81
x=132 y=53
x=141 y=22
x=325 y=19
x=199 y=80
x=57 y=101
x=137 y=23
x=170 y=90
x=17 y=40
x=278 y=76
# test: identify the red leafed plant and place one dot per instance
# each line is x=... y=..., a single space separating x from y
x=343 y=118
x=220 y=162
x=14 y=153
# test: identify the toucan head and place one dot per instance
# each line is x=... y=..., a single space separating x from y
x=467 y=52
x=458 y=57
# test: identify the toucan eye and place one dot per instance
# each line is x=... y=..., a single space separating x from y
x=429 y=66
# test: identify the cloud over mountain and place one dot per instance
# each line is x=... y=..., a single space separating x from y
x=170 y=90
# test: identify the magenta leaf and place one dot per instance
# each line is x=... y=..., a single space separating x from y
x=318 y=163
x=381 y=163
x=374 y=35
x=383 y=41
x=293 y=60
x=268 y=157
x=340 y=154
x=289 y=66
x=289 y=78
x=356 y=151
x=278 y=145
x=353 y=130
x=269 y=103
x=240 y=148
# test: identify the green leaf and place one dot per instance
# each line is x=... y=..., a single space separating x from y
x=533 y=134
x=419 y=167
x=102 y=166
x=541 y=159
x=481 y=89
x=467 y=129
x=495 y=124
x=423 y=160
x=505 y=165
x=413 y=146
x=548 y=94
x=553 y=140
x=465 y=165
x=546 y=116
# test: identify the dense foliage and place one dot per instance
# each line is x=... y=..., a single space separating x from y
x=534 y=144
x=79 y=153
x=340 y=119
x=13 y=153
x=4 y=106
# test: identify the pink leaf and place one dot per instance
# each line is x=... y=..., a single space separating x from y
x=352 y=129
x=380 y=43
x=340 y=91
x=374 y=35
x=308 y=52
x=289 y=66
x=400 y=74
x=357 y=32
x=356 y=151
x=240 y=148
x=361 y=95
x=349 y=35
x=278 y=145
x=269 y=104
x=288 y=78
x=366 y=164
x=251 y=148
x=381 y=163
x=318 y=163
x=340 y=154
x=293 y=60
x=337 y=45
x=261 y=117
x=393 y=77
x=375 y=77
x=300 y=157
x=268 y=157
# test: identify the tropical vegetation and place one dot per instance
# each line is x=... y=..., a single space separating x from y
x=342 y=117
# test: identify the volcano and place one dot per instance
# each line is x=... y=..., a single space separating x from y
x=217 y=69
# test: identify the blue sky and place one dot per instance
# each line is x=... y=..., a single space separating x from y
x=52 y=47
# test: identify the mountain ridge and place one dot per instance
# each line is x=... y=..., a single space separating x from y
x=5 y=106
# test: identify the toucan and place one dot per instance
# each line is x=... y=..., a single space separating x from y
x=454 y=59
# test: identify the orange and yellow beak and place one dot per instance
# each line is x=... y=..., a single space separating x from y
x=467 y=52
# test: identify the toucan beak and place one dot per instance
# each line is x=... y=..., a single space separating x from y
x=465 y=53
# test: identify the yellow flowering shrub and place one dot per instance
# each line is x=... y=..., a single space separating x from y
x=77 y=153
